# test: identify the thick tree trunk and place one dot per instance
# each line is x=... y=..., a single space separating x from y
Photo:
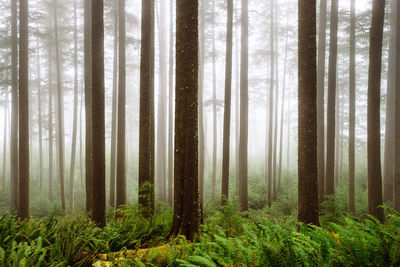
x=374 y=87
x=23 y=192
x=227 y=106
x=146 y=131
x=88 y=103
x=121 y=150
x=60 y=110
x=321 y=99
x=331 y=120
x=114 y=111
x=98 y=131
x=75 y=119
x=390 y=106
x=244 y=108
x=171 y=104
x=396 y=173
x=307 y=108
x=186 y=217
x=352 y=107
x=14 y=157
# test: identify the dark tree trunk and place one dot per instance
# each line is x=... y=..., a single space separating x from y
x=227 y=111
x=390 y=106
x=23 y=192
x=121 y=152
x=321 y=99
x=60 y=111
x=75 y=119
x=98 y=131
x=171 y=104
x=88 y=103
x=186 y=217
x=244 y=108
x=14 y=157
x=374 y=87
x=331 y=120
x=146 y=131
x=396 y=173
x=307 y=108
x=271 y=111
x=352 y=106
x=114 y=110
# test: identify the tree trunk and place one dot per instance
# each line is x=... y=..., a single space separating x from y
x=374 y=87
x=98 y=131
x=88 y=103
x=146 y=129
x=390 y=106
x=321 y=99
x=396 y=173
x=352 y=106
x=5 y=139
x=227 y=106
x=271 y=110
x=121 y=150
x=244 y=108
x=162 y=107
x=331 y=120
x=39 y=95
x=50 y=74
x=307 y=120
x=23 y=192
x=75 y=119
x=170 y=103
x=60 y=110
x=14 y=157
x=186 y=217
x=114 y=110
x=214 y=106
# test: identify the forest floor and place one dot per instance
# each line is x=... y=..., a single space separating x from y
x=265 y=237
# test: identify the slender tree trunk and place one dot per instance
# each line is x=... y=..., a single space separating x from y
x=5 y=139
x=121 y=150
x=374 y=87
x=39 y=115
x=75 y=119
x=275 y=120
x=352 y=106
x=60 y=110
x=237 y=100
x=321 y=99
x=227 y=106
x=244 y=108
x=390 y=106
x=214 y=97
x=331 y=120
x=162 y=107
x=50 y=74
x=271 y=109
x=81 y=165
x=114 y=110
x=14 y=157
x=338 y=121
x=88 y=103
x=396 y=173
x=146 y=129
x=186 y=217
x=288 y=137
x=98 y=127
x=23 y=192
x=307 y=108
x=170 y=103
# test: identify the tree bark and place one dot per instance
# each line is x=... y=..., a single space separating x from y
x=39 y=95
x=5 y=139
x=50 y=108
x=98 y=131
x=146 y=129
x=374 y=87
x=121 y=150
x=331 y=120
x=170 y=103
x=227 y=106
x=244 y=109
x=14 y=157
x=114 y=110
x=23 y=192
x=352 y=107
x=186 y=217
x=307 y=120
x=321 y=99
x=214 y=107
